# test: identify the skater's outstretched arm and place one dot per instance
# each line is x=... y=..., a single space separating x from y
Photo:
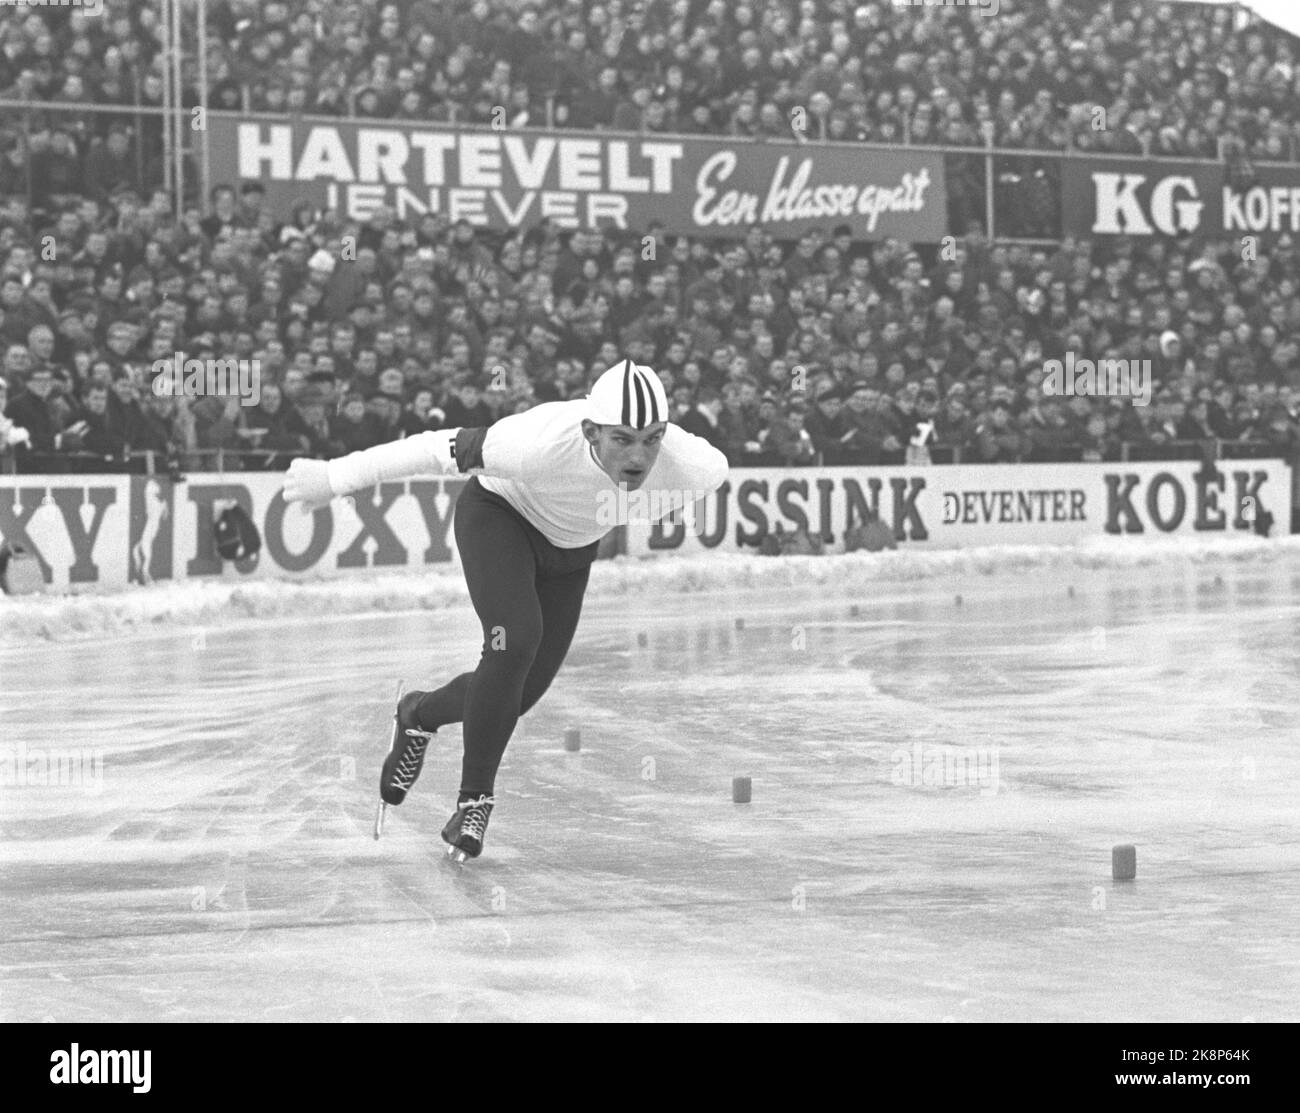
x=315 y=482
x=498 y=451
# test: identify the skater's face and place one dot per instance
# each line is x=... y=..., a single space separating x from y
x=626 y=454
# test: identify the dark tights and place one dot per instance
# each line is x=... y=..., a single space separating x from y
x=528 y=596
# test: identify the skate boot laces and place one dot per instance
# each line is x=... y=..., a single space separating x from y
x=407 y=766
x=474 y=822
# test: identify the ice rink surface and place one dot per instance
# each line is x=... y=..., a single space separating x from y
x=224 y=869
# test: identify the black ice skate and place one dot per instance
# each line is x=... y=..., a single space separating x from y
x=465 y=829
x=405 y=756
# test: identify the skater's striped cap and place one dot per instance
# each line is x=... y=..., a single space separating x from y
x=628 y=394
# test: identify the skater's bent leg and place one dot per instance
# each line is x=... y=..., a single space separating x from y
x=501 y=573
x=494 y=552
x=561 y=601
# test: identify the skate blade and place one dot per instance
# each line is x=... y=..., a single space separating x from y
x=456 y=855
x=379 y=819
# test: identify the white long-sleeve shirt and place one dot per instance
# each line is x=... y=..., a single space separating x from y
x=542 y=465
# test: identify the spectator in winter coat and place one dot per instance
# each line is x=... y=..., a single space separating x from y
x=387 y=411
x=1050 y=437
x=733 y=424
x=1219 y=413
x=110 y=165
x=998 y=440
x=313 y=422
x=758 y=450
x=421 y=415
x=1197 y=425
x=12 y=436
x=354 y=428
x=704 y=421
x=867 y=435
x=1281 y=433
x=790 y=441
x=826 y=426
x=103 y=436
x=954 y=428
x=161 y=429
x=32 y=411
x=465 y=408
x=1099 y=443
x=215 y=422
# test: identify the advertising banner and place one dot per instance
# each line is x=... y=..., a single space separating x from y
x=512 y=179
x=993 y=504
x=90 y=532
x=1136 y=197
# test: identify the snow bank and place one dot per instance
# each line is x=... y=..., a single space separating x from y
x=200 y=603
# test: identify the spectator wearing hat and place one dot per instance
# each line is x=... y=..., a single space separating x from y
x=826 y=426
x=40 y=347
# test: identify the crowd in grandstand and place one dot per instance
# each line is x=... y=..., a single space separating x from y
x=826 y=350
x=1173 y=78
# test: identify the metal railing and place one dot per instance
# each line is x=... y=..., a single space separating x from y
x=221 y=460
x=148 y=462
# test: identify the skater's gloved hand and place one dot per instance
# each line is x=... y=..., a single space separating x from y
x=308 y=482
